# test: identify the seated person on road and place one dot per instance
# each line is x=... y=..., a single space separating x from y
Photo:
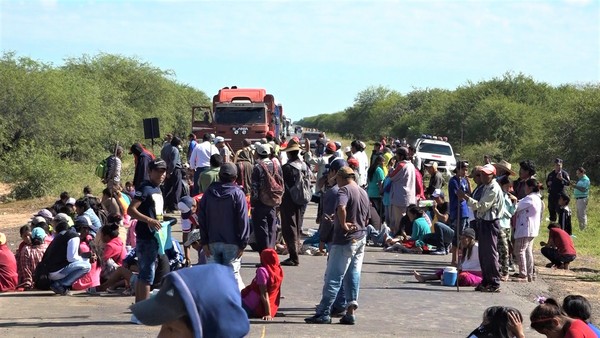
x=469 y=272
x=500 y=322
x=261 y=298
x=420 y=228
x=549 y=319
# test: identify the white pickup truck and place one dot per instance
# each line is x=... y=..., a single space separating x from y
x=430 y=150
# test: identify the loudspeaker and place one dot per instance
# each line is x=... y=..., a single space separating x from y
x=151 y=129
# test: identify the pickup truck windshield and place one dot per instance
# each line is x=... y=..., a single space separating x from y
x=240 y=115
x=433 y=148
x=311 y=136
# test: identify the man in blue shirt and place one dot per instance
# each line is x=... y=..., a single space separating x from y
x=458 y=211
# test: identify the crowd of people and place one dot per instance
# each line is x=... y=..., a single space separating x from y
x=258 y=195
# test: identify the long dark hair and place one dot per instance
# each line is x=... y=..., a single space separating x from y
x=496 y=320
x=378 y=160
x=533 y=184
x=542 y=316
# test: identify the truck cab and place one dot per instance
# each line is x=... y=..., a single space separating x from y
x=238 y=114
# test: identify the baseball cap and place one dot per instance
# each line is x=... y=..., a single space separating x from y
x=157 y=163
x=193 y=236
x=437 y=193
x=219 y=139
x=38 y=233
x=336 y=164
x=331 y=146
x=228 y=170
x=488 y=169
x=71 y=201
x=558 y=160
x=2 y=238
x=44 y=213
x=468 y=232
x=83 y=221
x=37 y=220
x=270 y=133
x=59 y=218
x=185 y=206
x=348 y=149
x=263 y=149
x=353 y=162
x=346 y=172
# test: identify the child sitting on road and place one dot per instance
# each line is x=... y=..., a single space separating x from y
x=261 y=298
x=550 y=320
x=500 y=322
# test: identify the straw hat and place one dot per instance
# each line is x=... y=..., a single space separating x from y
x=504 y=166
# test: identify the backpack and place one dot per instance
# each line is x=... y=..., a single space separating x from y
x=271 y=188
x=103 y=167
x=300 y=192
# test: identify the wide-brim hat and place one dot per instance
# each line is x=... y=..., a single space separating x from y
x=504 y=166
x=292 y=145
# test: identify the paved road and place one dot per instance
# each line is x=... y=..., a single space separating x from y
x=391 y=304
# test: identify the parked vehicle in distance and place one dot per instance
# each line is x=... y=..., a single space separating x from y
x=435 y=149
x=298 y=130
x=312 y=136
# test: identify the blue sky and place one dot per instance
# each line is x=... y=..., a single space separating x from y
x=315 y=56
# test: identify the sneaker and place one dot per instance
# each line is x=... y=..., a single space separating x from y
x=57 y=288
x=348 y=319
x=134 y=320
x=318 y=319
x=91 y=291
x=491 y=289
x=338 y=313
x=438 y=252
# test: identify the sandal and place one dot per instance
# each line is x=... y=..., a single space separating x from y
x=491 y=289
x=519 y=280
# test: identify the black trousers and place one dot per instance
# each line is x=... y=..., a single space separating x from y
x=553 y=206
x=487 y=233
x=264 y=225
x=556 y=258
x=292 y=216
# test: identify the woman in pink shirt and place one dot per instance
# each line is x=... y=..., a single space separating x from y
x=114 y=249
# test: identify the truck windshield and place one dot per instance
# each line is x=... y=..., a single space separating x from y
x=240 y=115
x=433 y=148
x=311 y=136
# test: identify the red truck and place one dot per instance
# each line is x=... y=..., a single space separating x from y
x=238 y=114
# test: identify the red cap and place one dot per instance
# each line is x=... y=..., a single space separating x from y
x=331 y=146
x=270 y=133
x=353 y=163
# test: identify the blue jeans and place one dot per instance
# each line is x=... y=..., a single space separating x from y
x=70 y=273
x=226 y=254
x=343 y=268
x=146 y=251
x=378 y=236
x=441 y=237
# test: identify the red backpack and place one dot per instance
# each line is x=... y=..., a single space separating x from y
x=271 y=187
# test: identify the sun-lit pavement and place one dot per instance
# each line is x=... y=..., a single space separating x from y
x=391 y=304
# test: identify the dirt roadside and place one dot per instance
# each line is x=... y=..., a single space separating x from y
x=560 y=282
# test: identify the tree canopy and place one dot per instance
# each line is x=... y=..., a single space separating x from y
x=512 y=117
x=77 y=112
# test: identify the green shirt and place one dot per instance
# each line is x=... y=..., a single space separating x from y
x=208 y=177
x=584 y=182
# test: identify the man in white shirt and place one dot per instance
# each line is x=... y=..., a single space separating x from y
x=200 y=160
x=358 y=151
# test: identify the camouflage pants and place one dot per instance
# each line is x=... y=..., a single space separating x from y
x=503 y=253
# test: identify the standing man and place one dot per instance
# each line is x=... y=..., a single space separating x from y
x=192 y=145
x=358 y=152
x=142 y=160
x=263 y=216
x=347 y=249
x=459 y=211
x=556 y=182
x=292 y=213
x=581 y=192
x=173 y=186
x=526 y=171
x=436 y=180
x=223 y=221
x=113 y=175
x=223 y=150
x=487 y=211
x=147 y=207
x=403 y=192
x=200 y=160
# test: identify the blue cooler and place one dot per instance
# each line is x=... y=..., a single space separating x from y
x=449 y=276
